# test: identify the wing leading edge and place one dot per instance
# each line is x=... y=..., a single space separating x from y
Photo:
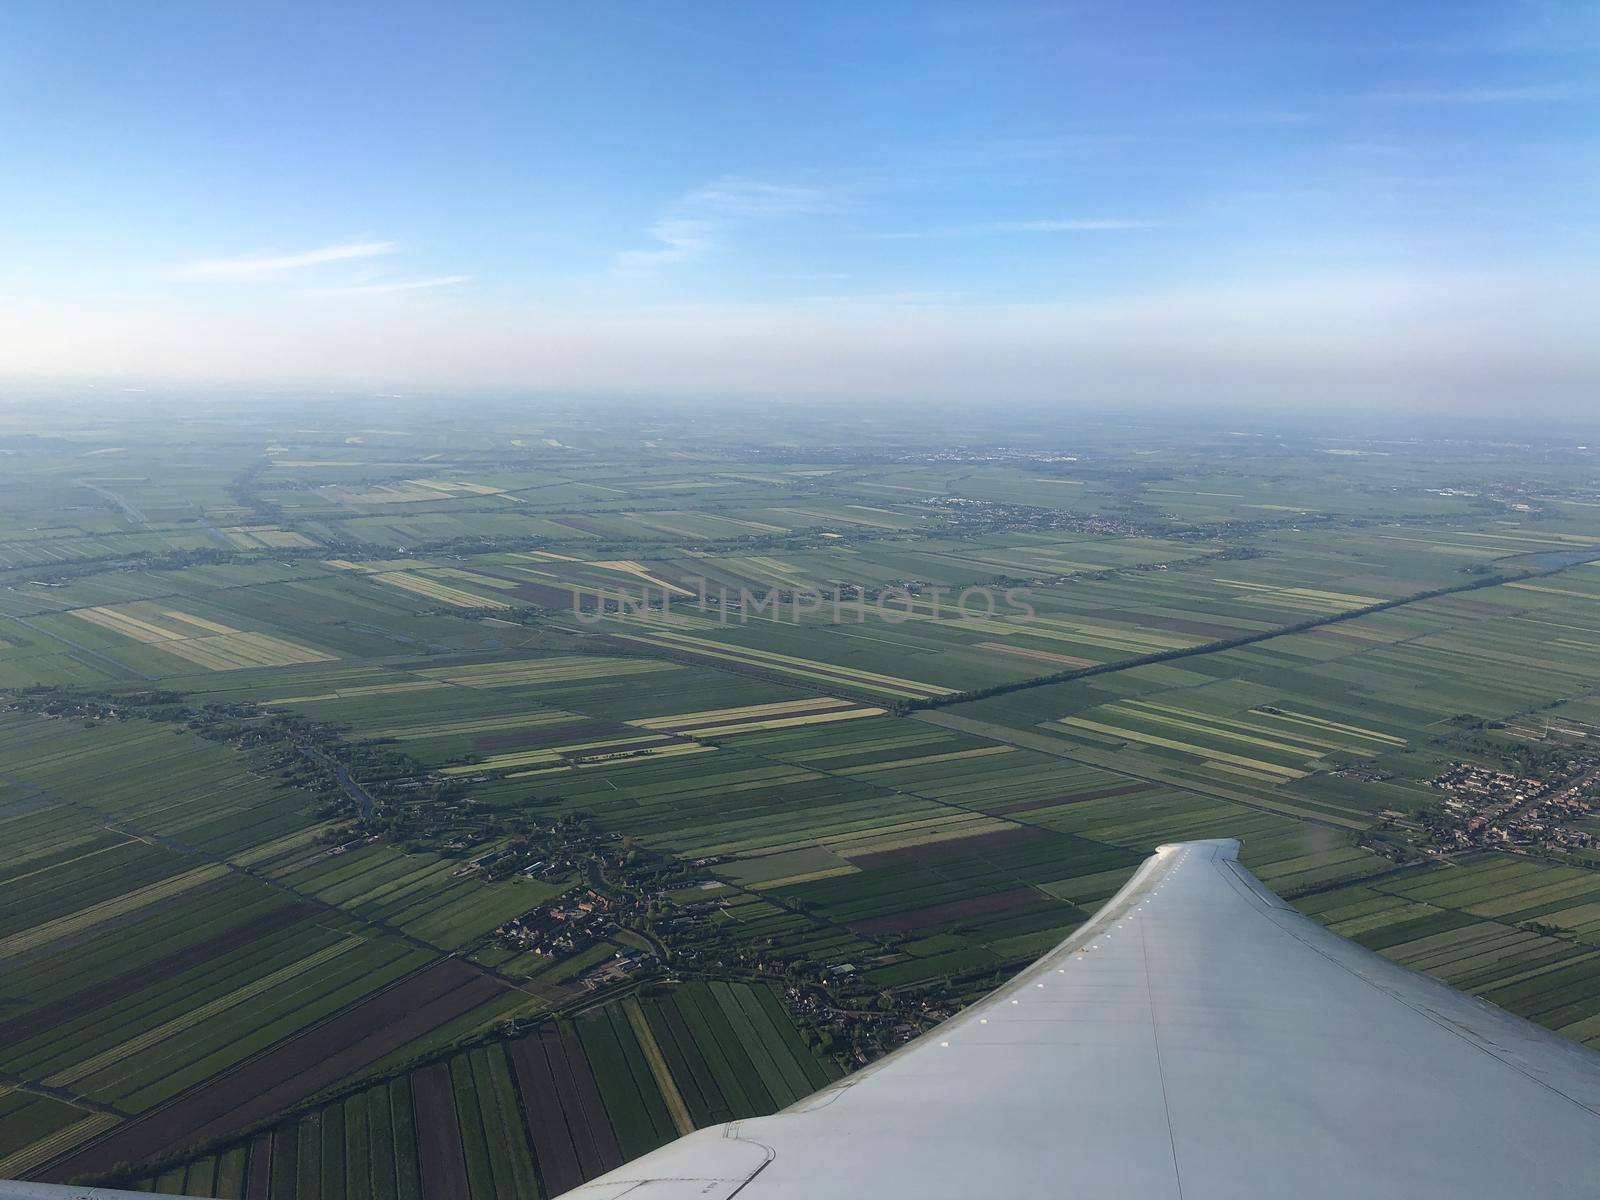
x=1196 y=1040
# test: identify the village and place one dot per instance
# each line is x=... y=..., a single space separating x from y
x=575 y=921
x=1490 y=809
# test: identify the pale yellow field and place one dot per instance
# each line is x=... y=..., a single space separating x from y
x=803 y=667
x=433 y=590
x=282 y=538
x=822 y=718
x=453 y=487
x=233 y=652
x=892 y=836
x=681 y=720
x=253 y=537
x=219 y=648
x=626 y=566
x=128 y=626
x=546 y=670
x=197 y=622
x=547 y=754
x=805 y=877
x=1288 y=714
x=1215 y=757
x=670 y=750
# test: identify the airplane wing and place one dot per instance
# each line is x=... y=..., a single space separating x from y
x=1196 y=1040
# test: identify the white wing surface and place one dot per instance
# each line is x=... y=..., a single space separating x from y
x=1197 y=1040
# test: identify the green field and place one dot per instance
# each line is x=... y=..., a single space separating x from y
x=291 y=706
x=532 y=1115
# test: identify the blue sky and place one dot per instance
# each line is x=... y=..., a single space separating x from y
x=851 y=198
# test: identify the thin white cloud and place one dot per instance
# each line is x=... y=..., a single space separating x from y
x=266 y=266
x=750 y=199
x=872 y=300
x=1047 y=225
x=696 y=223
x=679 y=239
x=1534 y=94
x=383 y=289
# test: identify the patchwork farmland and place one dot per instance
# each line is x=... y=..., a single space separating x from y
x=461 y=812
x=533 y=1115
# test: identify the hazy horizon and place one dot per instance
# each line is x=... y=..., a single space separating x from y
x=1058 y=204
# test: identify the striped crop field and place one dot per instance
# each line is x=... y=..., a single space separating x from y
x=263 y=537
x=1309 y=600
x=530 y=1117
x=351 y=846
x=432 y=589
x=205 y=643
x=162 y=923
x=630 y=746
x=562 y=669
x=1518 y=932
x=756 y=718
x=825 y=674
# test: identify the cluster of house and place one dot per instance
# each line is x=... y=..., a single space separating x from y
x=569 y=923
x=991 y=515
x=1496 y=808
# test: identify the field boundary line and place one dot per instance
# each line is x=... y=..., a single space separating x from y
x=1251 y=639
x=1045 y=744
